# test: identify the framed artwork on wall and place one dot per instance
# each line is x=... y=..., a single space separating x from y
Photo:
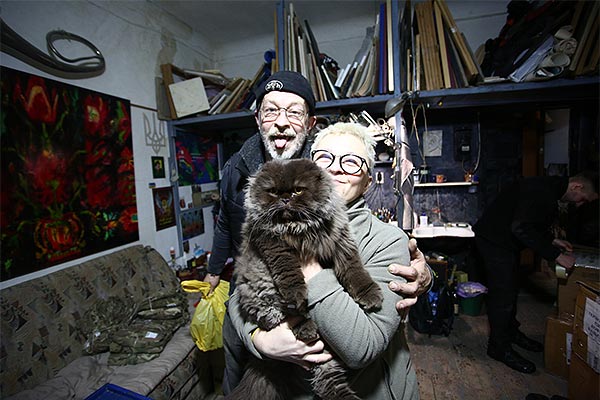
x=164 y=207
x=192 y=223
x=68 y=185
x=158 y=167
x=197 y=160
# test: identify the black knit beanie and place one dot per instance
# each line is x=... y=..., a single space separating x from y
x=287 y=81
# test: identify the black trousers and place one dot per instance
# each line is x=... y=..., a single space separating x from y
x=236 y=356
x=502 y=271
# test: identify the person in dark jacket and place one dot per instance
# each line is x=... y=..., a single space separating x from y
x=520 y=217
x=285 y=117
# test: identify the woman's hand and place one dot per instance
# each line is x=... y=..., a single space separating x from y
x=418 y=278
x=280 y=343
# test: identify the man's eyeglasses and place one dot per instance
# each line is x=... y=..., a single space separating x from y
x=271 y=113
x=350 y=163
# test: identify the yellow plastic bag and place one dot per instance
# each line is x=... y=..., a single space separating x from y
x=195 y=286
x=207 y=323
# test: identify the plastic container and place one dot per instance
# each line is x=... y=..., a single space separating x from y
x=471 y=295
x=423 y=220
x=471 y=305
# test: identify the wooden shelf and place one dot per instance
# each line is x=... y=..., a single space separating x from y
x=556 y=92
x=431 y=185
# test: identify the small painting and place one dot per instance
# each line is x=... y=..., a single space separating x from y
x=192 y=223
x=164 y=208
x=197 y=160
x=158 y=167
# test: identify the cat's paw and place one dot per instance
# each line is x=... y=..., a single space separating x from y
x=269 y=319
x=306 y=330
x=370 y=298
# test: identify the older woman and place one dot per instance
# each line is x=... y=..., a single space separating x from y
x=370 y=344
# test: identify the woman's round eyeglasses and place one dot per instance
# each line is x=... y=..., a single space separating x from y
x=271 y=113
x=349 y=163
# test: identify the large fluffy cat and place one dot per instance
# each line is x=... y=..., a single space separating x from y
x=294 y=215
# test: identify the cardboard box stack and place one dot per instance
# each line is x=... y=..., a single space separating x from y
x=572 y=342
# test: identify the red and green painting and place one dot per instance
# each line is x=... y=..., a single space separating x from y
x=68 y=187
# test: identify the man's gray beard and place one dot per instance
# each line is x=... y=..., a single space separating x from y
x=290 y=151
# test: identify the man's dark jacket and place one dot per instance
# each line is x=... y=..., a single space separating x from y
x=246 y=162
x=522 y=214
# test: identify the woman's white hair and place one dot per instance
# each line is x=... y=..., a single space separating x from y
x=350 y=128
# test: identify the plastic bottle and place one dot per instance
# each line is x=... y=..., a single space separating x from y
x=423 y=221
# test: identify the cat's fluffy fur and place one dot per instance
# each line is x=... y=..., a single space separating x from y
x=294 y=215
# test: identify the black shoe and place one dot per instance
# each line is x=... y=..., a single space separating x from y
x=536 y=396
x=526 y=343
x=512 y=359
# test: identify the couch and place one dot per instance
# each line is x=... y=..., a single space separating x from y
x=43 y=351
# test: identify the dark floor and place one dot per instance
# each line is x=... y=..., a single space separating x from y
x=457 y=367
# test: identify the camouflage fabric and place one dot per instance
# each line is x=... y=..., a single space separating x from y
x=145 y=337
x=162 y=313
x=163 y=299
x=100 y=321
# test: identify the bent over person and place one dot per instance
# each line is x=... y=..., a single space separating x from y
x=519 y=218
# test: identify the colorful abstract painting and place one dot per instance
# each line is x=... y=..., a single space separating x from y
x=68 y=186
x=197 y=160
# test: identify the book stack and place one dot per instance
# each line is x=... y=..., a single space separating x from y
x=546 y=40
x=239 y=93
x=370 y=73
x=585 y=31
x=437 y=53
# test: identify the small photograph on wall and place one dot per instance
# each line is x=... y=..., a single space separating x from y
x=158 y=167
x=197 y=160
x=68 y=185
x=164 y=207
x=192 y=223
x=209 y=197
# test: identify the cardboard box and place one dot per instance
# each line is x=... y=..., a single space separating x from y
x=587 y=269
x=586 y=327
x=557 y=344
x=584 y=382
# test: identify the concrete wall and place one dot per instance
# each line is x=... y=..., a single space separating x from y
x=134 y=39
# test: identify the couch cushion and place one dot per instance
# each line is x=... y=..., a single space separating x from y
x=161 y=379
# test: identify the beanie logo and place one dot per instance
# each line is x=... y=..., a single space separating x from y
x=273 y=85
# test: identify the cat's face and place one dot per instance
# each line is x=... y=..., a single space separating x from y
x=290 y=194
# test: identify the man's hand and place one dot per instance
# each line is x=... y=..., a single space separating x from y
x=566 y=260
x=417 y=275
x=563 y=244
x=213 y=280
x=280 y=343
